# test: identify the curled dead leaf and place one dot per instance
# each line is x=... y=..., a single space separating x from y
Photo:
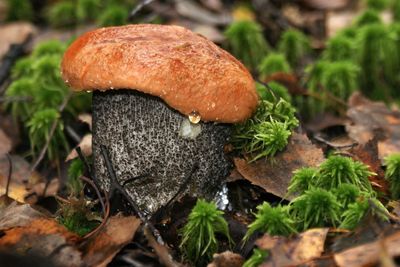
x=85 y=145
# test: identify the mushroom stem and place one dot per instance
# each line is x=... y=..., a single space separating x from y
x=142 y=135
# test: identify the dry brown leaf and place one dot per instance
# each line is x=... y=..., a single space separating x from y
x=226 y=259
x=196 y=12
x=374 y=119
x=368 y=154
x=294 y=251
x=16 y=215
x=14 y=33
x=86 y=118
x=118 y=232
x=290 y=81
x=274 y=174
x=370 y=254
x=85 y=145
x=27 y=231
x=21 y=180
x=5 y=144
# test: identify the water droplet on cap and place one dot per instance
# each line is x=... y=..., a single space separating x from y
x=194 y=117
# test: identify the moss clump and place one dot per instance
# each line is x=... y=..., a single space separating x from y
x=19 y=10
x=378 y=5
x=316 y=207
x=198 y=242
x=294 y=45
x=302 y=180
x=62 y=14
x=339 y=48
x=392 y=174
x=246 y=42
x=271 y=220
x=267 y=132
x=368 y=17
x=273 y=63
x=113 y=16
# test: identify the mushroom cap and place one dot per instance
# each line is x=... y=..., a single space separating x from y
x=186 y=70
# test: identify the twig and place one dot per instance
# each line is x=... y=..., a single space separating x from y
x=161 y=251
x=105 y=207
x=115 y=186
x=139 y=7
x=14 y=52
x=50 y=136
x=9 y=174
x=87 y=166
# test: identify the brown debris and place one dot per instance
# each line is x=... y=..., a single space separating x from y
x=118 y=232
x=374 y=119
x=226 y=259
x=274 y=174
x=302 y=248
x=5 y=144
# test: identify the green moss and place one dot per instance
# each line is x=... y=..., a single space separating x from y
x=396 y=10
x=316 y=207
x=113 y=16
x=302 y=180
x=257 y=258
x=347 y=194
x=339 y=48
x=51 y=47
x=87 y=10
x=392 y=174
x=294 y=45
x=337 y=170
x=22 y=88
x=368 y=17
x=267 y=132
x=340 y=78
x=19 y=10
x=358 y=210
x=271 y=220
x=39 y=127
x=246 y=42
x=377 y=57
x=62 y=14
x=77 y=217
x=378 y=5
x=198 y=242
x=273 y=63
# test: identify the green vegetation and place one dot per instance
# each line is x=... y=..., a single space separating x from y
x=40 y=91
x=267 y=132
x=302 y=180
x=113 y=16
x=198 y=235
x=294 y=45
x=257 y=258
x=378 y=5
x=246 y=42
x=273 y=63
x=19 y=10
x=392 y=174
x=271 y=220
x=273 y=92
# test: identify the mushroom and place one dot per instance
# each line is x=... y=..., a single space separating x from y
x=164 y=100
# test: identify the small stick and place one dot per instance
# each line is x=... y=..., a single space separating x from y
x=87 y=166
x=139 y=7
x=51 y=133
x=116 y=186
x=9 y=174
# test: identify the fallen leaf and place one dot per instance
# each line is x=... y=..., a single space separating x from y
x=371 y=253
x=43 y=189
x=274 y=174
x=14 y=33
x=324 y=121
x=5 y=144
x=21 y=179
x=85 y=145
x=26 y=231
x=17 y=216
x=226 y=259
x=118 y=232
x=368 y=154
x=374 y=119
x=210 y=32
x=302 y=248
